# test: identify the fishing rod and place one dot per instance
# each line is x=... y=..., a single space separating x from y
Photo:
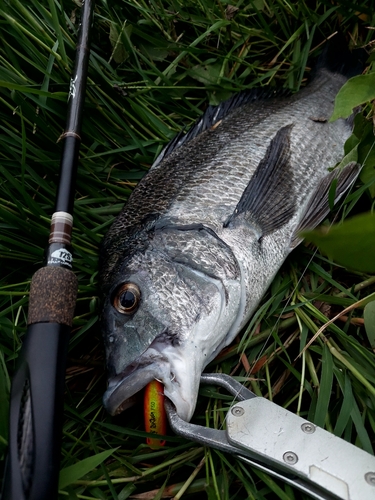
x=37 y=393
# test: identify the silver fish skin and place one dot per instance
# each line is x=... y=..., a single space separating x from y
x=187 y=261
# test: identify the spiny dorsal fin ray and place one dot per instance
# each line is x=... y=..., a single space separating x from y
x=319 y=208
x=263 y=204
x=214 y=114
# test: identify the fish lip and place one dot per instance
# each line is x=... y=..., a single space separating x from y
x=122 y=387
x=134 y=378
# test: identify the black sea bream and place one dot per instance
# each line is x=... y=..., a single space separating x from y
x=188 y=259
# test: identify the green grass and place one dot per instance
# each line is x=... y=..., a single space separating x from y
x=154 y=66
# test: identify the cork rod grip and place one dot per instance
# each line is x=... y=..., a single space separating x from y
x=53 y=295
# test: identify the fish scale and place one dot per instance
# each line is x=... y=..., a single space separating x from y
x=206 y=230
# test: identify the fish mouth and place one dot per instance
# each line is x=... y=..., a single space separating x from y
x=118 y=396
x=169 y=367
x=135 y=377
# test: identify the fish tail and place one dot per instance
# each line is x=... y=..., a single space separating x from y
x=337 y=58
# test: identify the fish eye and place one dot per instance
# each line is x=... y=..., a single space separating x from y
x=126 y=298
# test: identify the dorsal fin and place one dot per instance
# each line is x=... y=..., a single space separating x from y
x=335 y=57
x=214 y=114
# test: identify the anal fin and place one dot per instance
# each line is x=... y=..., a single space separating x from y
x=319 y=206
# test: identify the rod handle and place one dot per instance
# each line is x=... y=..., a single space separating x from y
x=53 y=296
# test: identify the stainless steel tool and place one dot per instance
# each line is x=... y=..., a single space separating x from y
x=284 y=445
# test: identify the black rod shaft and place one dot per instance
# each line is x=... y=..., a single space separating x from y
x=72 y=135
x=36 y=401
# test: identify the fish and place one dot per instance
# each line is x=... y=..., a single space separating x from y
x=187 y=261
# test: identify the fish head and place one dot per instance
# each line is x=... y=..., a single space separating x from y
x=164 y=318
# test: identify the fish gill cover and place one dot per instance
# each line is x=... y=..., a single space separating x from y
x=154 y=69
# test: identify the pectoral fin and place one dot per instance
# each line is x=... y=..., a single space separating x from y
x=268 y=201
x=319 y=206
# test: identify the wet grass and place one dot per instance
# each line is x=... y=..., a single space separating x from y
x=154 y=66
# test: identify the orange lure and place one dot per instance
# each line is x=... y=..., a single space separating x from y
x=154 y=413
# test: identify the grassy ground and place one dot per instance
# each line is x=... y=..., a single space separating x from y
x=154 y=66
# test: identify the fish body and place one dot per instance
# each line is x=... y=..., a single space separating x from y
x=200 y=239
